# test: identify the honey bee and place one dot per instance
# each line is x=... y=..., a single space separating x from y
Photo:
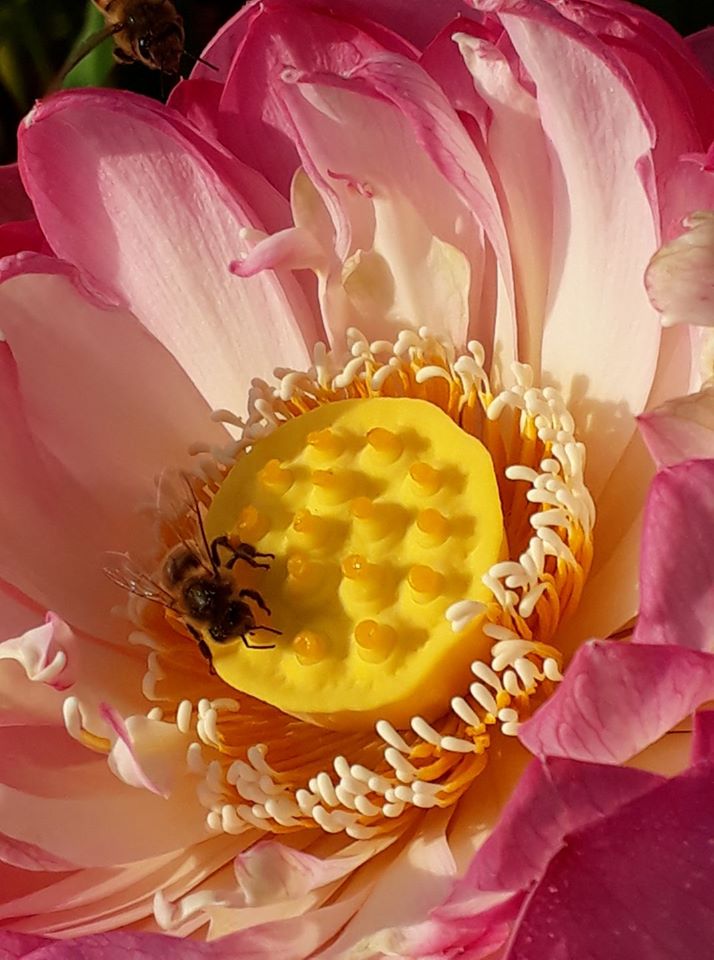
x=195 y=580
x=145 y=31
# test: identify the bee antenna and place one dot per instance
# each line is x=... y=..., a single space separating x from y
x=192 y=56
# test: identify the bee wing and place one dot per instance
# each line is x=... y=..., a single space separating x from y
x=122 y=570
x=180 y=513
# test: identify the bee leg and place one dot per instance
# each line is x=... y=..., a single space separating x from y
x=203 y=647
x=259 y=646
x=220 y=542
x=246 y=551
x=254 y=595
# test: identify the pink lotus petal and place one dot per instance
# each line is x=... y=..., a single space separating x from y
x=702 y=43
x=28 y=856
x=673 y=92
x=96 y=899
x=682 y=429
x=677 y=562
x=680 y=276
x=703 y=743
x=281 y=127
x=14 y=946
x=553 y=798
x=518 y=149
x=198 y=101
x=44 y=652
x=635 y=34
x=291 y=938
x=21 y=235
x=633 y=884
x=689 y=187
x=135 y=250
x=97 y=820
x=14 y=202
x=119 y=945
x=423 y=873
x=421 y=111
x=584 y=98
x=80 y=449
x=618 y=698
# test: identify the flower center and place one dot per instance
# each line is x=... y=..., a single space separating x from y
x=429 y=535
x=380 y=514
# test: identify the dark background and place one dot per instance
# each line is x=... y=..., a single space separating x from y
x=36 y=37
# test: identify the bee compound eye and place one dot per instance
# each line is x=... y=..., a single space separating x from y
x=144 y=46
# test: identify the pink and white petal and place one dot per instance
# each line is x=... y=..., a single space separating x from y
x=98 y=821
x=618 y=698
x=677 y=564
x=597 y=318
x=14 y=202
x=661 y=68
x=112 y=434
x=269 y=40
x=298 y=120
x=680 y=276
x=689 y=187
x=518 y=150
x=423 y=872
x=473 y=936
x=28 y=856
x=82 y=444
x=158 y=237
x=702 y=44
x=98 y=899
x=50 y=548
x=682 y=429
x=635 y=34
x=292 y=938
x=423 y=239
x=432 y=122
x=606 y=897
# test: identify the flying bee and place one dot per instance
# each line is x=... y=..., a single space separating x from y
x=196 y=580
x=145 y=31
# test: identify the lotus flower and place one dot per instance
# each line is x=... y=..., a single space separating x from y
x=442 y=217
